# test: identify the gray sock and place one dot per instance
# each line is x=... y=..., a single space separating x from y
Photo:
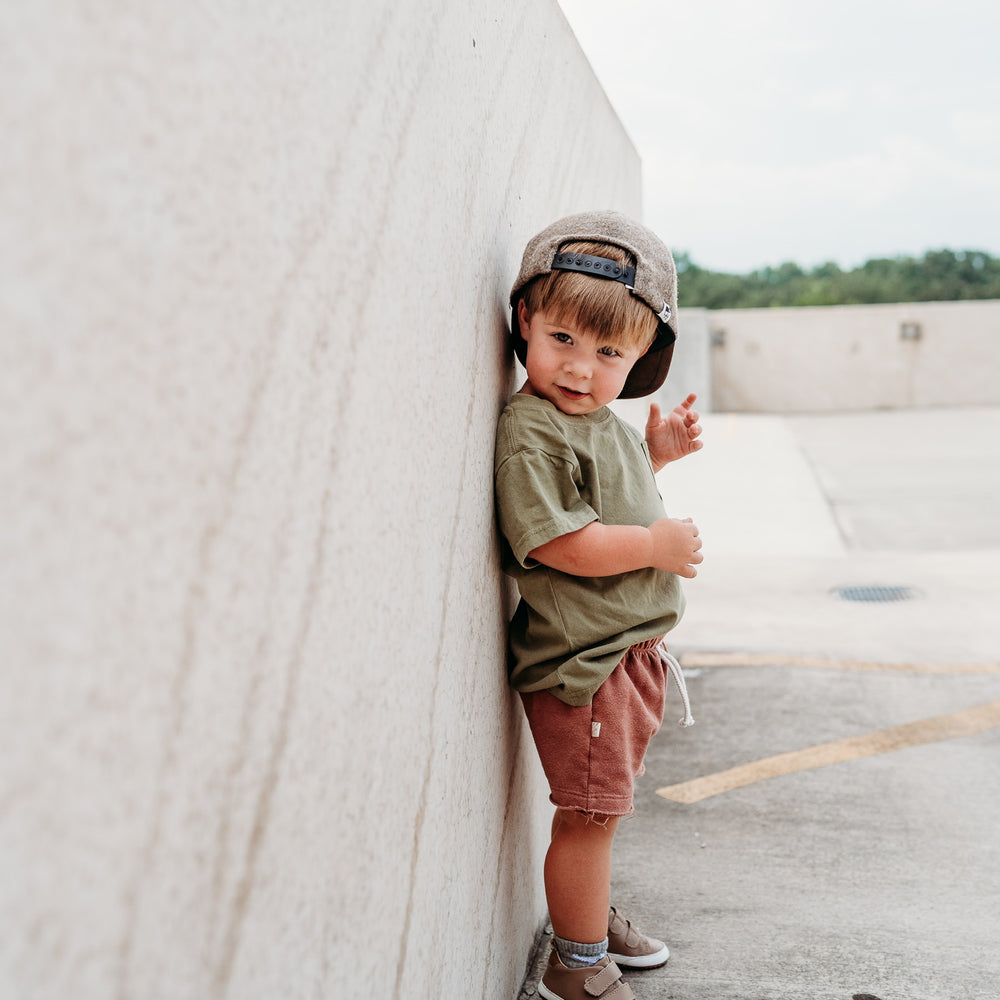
x=575 y=955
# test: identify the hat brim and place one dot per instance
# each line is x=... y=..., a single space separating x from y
x=647 y=374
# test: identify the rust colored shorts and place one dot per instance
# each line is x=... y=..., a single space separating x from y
x=592 y=754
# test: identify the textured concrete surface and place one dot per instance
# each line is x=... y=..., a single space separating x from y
x=257 y=740
x=874 y=875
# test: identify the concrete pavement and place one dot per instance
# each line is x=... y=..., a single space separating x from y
x=829 y=828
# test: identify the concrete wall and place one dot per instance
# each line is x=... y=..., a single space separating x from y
x=256 y=735
x=856 y=357
x=691 y=366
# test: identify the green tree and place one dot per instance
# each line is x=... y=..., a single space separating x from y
x=940 y=275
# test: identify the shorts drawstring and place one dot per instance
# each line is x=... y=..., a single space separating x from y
x=678 y=675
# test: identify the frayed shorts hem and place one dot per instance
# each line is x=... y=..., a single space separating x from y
x=619 y=807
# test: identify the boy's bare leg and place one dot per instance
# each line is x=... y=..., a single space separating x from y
x=578 y=875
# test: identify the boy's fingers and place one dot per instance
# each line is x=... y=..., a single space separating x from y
x=654 y=413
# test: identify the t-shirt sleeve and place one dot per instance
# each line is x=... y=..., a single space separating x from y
x=538 y=500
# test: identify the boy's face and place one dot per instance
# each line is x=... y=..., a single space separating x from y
x=569 y=367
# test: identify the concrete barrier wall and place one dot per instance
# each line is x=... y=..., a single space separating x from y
x=256 y=734
x=856 y=357
x=691 y=366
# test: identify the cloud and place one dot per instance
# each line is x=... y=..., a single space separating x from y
x=905 y=196
x=778 y=130
x=977 y=130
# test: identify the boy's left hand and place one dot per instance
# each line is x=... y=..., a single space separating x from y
x=673 y=436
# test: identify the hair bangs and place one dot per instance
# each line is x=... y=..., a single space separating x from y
x=602 y=306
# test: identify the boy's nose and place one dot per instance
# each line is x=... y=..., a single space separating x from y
x=578 y=366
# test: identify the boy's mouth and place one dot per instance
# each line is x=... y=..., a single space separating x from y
x=570 y=393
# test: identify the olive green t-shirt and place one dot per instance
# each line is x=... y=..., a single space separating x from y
x=555 y=473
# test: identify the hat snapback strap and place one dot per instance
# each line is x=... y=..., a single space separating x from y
x=599 y=267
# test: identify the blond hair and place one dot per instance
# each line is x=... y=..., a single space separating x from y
x=604 y=307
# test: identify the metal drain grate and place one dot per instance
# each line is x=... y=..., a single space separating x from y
x=875 y=593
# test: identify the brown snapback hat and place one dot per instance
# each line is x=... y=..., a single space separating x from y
x=653 y=280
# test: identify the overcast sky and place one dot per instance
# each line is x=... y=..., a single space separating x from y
x=794 y=130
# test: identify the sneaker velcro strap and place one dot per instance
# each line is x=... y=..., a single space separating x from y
x=608 y=984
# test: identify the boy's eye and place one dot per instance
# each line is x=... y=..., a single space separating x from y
x=563 y=338
x=609 y=352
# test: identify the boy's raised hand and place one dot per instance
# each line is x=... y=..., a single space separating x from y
x=676 y=546
x=672 y=436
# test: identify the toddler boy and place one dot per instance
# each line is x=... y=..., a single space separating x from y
x=596 y=560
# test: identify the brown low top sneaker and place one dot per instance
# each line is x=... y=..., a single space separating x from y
x=626 y=946
x=602 y=981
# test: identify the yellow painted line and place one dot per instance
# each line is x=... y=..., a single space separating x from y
x=781 y=660
x=933 y=730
